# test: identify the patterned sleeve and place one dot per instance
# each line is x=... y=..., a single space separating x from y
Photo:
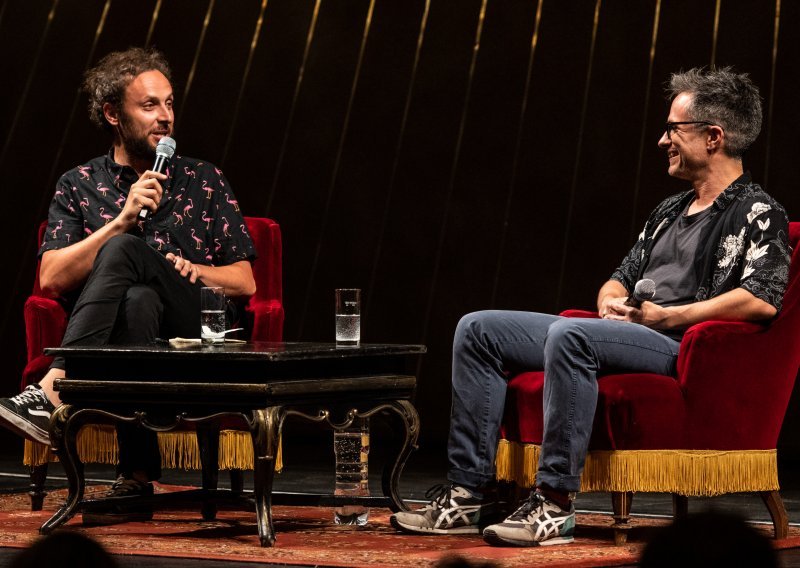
x=765 y=269
x=628 y=271
x=64 y=219
x=230 y=229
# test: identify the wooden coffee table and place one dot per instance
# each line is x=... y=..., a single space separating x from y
x=256 y=385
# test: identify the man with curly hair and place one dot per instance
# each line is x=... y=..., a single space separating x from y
x=125 y=278
x=718 y=251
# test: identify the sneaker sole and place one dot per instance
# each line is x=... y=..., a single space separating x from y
x=424 y=530
x=23 y=427
x=496 y=540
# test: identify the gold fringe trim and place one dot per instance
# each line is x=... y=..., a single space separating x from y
x=687 y=472
x=97 y=443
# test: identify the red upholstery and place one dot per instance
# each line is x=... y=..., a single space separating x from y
x=46 y=320
x=731 y=393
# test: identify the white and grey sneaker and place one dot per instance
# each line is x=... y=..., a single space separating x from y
x=453 y=510
x=28 y=414
x=539 y=522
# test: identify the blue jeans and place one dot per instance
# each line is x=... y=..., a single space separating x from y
x=491 y=346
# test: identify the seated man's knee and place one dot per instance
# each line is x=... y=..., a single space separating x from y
x=119 y=245
x=471 y=325
x=565 y=333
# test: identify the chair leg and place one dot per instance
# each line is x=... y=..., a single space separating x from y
x=237 y=480
x=680 y=506
x=37 y=492
x=208 y=442
x=780 y=520
x=621 y=505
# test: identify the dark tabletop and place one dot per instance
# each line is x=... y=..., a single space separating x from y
x=255 y=350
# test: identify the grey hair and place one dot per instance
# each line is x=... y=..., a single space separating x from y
x=106 y=82
x=725 y=98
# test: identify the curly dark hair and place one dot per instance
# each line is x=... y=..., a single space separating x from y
x=723 y=97
x=106 y=82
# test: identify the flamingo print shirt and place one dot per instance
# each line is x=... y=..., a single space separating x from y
x=198 y=217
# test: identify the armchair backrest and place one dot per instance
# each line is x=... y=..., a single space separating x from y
x=267 y=268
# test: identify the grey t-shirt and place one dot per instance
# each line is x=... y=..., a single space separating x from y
x=671 y=264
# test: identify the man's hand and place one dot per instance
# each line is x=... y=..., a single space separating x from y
x=185 y=267
x=144 y=194
x=650 y=314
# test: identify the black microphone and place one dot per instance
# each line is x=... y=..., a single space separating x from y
x=644 y=291
x=164 y=151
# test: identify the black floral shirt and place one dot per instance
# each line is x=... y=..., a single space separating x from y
x=198 y=217
x=746 y=245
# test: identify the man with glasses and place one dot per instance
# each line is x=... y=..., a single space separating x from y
x=718 y=251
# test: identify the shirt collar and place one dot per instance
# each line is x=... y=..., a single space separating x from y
x=726 y=197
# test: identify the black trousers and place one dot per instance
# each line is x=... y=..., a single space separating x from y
x=132 y=296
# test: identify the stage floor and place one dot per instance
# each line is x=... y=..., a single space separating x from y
x=309 y=468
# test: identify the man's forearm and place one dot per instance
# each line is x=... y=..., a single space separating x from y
x=66 y=269
x=736 y=305
x=610 y=290
x=236 y=278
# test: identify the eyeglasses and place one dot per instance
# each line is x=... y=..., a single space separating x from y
x=671 y=125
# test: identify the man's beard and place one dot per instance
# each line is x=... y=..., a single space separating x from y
x=136 y=146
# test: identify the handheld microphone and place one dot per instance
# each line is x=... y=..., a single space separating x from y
x=164 y=151
x=644 y=291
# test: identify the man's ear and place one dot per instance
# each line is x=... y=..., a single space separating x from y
x=111 y=114
x=716 y=135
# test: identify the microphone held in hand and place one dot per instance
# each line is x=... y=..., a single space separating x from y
x=164 y=151
x=644 y=291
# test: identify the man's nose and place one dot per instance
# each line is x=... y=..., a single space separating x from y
x=664 y=141
x=165 y=113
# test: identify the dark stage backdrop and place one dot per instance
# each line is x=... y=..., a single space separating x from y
x=443 y=155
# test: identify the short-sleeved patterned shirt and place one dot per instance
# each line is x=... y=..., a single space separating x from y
x=198 y=217
x=744 y=245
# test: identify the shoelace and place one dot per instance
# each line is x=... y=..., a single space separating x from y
x=27 y=396
x=534 y=502
x=439 y=493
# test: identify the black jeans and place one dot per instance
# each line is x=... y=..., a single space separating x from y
x=133 y=295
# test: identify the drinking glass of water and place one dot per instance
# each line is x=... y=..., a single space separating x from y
x=348 y=317
x=212 y=314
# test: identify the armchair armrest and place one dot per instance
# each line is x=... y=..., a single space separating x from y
x=45 y=322
x=579 y=314
x=748 y=395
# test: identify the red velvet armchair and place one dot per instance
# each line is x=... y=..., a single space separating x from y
x=712 y=430
x=46 y=320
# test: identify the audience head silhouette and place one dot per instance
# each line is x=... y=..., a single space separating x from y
x=709 y=539
x=64 y=548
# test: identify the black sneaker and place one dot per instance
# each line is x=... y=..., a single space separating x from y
x=453 y=510
x=122 y=504
x=28 y=414
x=539 y=522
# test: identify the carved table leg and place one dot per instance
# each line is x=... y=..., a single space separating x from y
x=621 y=504
x=64 y=428
x=780 y=520
x=391 y=474
x=265 y=429
x=37 y=492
